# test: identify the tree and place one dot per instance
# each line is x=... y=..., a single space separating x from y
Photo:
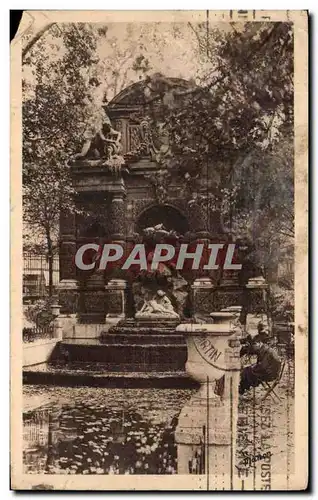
x=63 y=97
x=232 y=134
x=125 y=59
x=34 y=38
x=55 y=102
x=245 y=98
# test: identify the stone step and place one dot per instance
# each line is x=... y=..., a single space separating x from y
x=83 y=374
x=104 y=368
x=123 y=357
x=137 y=338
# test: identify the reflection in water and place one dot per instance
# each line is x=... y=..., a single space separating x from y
x=39 y=434
x=109 y=431
x=94 y=439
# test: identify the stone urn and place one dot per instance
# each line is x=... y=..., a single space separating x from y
x=208 y=348
x=206 y=430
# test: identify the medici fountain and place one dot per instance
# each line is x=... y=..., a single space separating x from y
x=164 y=328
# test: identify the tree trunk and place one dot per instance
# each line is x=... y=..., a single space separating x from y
x=50 y=260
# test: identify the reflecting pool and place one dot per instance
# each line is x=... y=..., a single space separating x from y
x=101 y=431
x=87 y=430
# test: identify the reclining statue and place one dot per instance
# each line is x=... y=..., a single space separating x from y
x=159 y=306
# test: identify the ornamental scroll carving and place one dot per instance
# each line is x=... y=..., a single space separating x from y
x=149 y=138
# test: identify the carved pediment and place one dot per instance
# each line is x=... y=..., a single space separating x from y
x=146 y=92
x=139 y=110
x=132 y=127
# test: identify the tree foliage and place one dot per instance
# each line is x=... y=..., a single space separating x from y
x=234 y=130
x=55 y=100
x=244 y=100
x=64 y=87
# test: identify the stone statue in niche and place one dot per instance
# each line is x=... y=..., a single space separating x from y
x=158 y=307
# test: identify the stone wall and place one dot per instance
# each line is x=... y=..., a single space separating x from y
x=38 y=352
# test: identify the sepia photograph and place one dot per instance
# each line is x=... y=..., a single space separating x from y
x=159 y=291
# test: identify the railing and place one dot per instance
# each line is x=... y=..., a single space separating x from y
x=31 y=334
x=38 y=262
x=36 y=274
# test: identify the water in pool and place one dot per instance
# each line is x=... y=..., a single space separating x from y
x=131 y=431
x=101 y=431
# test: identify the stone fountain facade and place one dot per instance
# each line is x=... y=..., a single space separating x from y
x=127 y=182
x=129 y=190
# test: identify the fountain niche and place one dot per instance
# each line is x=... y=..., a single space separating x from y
x=151 y=302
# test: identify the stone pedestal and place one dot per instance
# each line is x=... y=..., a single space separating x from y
x=68 y=296
x=227 y=295
x=92 y=298
x=206 y=431
x=116 y=293
x=257 y=292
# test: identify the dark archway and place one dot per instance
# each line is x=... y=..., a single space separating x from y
x=167 y=215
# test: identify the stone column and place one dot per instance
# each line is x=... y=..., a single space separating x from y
x=199 y=219
x=57 y=323
x=67 y=287
x=206 y=430
x=116 y=300
x=68 y=247
x=118 y=217
x=117 y=288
